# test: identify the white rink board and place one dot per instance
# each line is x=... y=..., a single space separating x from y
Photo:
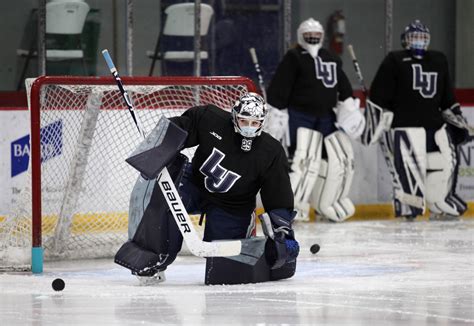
x=15 y=125
x=371 y=172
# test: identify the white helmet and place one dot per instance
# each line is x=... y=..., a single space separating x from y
x=311 y=44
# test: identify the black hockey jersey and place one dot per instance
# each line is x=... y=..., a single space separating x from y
x=307 y=84
x=415 y=90
x=228 y=176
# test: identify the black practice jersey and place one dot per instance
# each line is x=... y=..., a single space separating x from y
x=229 y=177
x=415 y=90
x=307 y=84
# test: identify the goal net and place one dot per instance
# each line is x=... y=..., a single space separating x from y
x=75 y=203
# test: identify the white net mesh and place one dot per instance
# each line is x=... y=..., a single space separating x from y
x=86 y=134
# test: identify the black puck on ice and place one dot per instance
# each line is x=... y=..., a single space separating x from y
x=58 y=284
x=314 y=248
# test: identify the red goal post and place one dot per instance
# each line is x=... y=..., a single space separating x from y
x=81 y=132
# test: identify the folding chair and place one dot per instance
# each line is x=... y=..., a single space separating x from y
x=63 y=17
x=179 y=22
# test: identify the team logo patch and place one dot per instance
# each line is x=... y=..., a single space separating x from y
x=217 y=178
x=424 y=82
x=326 y=72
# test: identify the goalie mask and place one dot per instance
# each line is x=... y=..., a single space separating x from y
x=416 y=39
x=248 y=116
x=310 y=36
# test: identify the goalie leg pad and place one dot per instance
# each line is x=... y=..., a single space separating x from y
x=305 y=167
x=139 y=200
x=157 y=239
x=249 y=267
x=454 y=197
x=409 y=160
x=329 y=196
x=441 y=166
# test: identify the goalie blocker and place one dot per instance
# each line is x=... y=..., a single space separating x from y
x=377 y=122
x=156 y=235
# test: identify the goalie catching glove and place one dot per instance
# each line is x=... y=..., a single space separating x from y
x=460 y=129
x=277 y=125
x=281 y=247
x=349 y=117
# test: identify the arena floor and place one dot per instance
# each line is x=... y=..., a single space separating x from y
x=388 y=272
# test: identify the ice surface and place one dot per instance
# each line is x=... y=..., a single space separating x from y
x=366 y=273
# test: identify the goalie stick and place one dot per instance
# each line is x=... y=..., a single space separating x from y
x=253 y=55
x=357 y=70
x=195 y=244
x=400 y=196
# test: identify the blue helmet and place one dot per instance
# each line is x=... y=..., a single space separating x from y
x=416 y=38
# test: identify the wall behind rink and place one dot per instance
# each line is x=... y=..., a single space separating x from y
x=371 y=185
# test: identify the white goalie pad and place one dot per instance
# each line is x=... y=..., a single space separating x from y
x=349 y=117
x=305 y=168
x=377 y=121
x=439 y=178
x=329 y=196
x=409 y=162
x=277 y=125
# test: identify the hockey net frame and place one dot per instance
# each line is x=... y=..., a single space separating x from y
x=51 y=226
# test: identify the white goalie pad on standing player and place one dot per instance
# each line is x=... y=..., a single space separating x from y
x=349 y=117
x=277 y=125
x=330 y=195
x=377 y=121
x=439 y=178
x=409 y=163
x=305 y=168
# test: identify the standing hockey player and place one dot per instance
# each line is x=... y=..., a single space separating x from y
x=310 y=100
x=427 y=126
x=234 y=160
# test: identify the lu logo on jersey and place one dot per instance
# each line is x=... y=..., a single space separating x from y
x=218 y=178
x=326 y=72
x=424 y=82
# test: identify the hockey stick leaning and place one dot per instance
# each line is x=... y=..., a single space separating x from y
x=195 y=244
x=357 y=70
x=253 y=55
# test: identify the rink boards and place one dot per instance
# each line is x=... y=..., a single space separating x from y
x=369 y=163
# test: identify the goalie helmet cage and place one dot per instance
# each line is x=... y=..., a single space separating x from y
x=75 y=201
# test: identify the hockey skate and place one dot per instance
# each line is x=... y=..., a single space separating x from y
x=443 y=217
x=150 y=280
x=407 y=218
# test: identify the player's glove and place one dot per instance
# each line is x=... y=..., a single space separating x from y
x=457 y=124
x=277 y=124
x=281 y=247
x=349 y=117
